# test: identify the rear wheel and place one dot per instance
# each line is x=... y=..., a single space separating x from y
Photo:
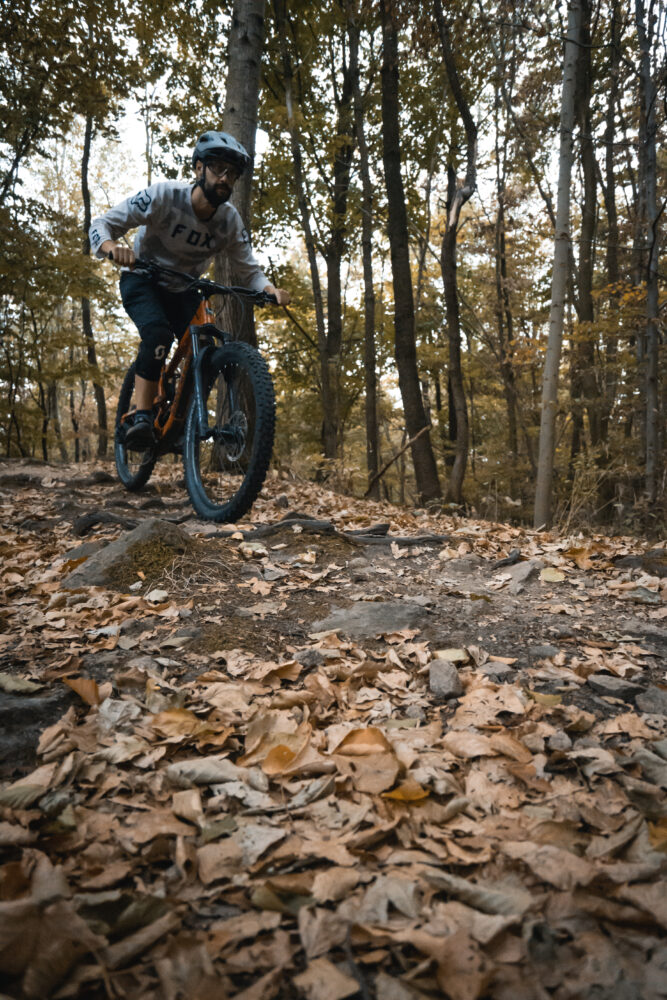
x=225 y=472
x=134 y=467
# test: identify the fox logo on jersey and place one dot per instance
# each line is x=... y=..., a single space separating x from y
x=196 y=239
x=141 y=200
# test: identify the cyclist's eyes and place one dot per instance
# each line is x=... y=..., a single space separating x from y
x=224 y=169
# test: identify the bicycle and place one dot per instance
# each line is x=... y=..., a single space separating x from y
x=215 y=405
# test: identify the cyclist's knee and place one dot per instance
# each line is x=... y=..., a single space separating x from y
x=156 y=339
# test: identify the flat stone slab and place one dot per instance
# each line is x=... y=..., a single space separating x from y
x=653 y=562
x=522 y=573
x=543 y=652
x=367 y=619
x=614 y=687
x=653 y=700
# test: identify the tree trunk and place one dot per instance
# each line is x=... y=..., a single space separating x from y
x=54 y=415
x=457 y=196
x=98 y=388
x=333 y=255
x=609 y=194
x=587 y=393
x=426 y=473
x=370 y=372
x=75 y=427
x=239 y=118
x=504 y=318
x=545 y=462
x=460 y=424
x=647 y=139
x=304 y=211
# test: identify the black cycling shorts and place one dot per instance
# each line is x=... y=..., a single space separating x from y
x=159 y=315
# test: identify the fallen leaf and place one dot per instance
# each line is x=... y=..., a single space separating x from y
x=470 y=745
x=559 y=868
x=408 y=791
x=86 y=688
x=453 y=655
x=552 y=575
x=360 y=742
x=374 y=773
x=323 y=981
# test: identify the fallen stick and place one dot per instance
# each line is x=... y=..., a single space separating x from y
x=387 y=465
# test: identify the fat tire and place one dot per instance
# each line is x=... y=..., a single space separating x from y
x=241 y=356
x=132 y=481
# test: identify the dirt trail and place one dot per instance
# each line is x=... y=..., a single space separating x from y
x=340 y=749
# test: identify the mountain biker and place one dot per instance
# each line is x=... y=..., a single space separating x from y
x=181 y=226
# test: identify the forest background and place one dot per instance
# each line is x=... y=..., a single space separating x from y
x=465 y=199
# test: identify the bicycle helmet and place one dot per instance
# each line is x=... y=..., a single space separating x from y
x=220 y=144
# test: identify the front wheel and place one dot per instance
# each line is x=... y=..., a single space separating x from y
x=134 y=467
x=225 y=471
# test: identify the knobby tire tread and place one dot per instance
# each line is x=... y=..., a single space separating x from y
x=135 y=482
x=240 y=502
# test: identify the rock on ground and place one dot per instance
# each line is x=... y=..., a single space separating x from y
x=367 y=619
x=444 y=680
x=106 y=567
x=614 y=687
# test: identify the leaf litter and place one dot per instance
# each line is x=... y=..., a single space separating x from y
x=293 y=813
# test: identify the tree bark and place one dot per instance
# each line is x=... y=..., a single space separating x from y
x=370 y=372
x=102 y=427
x=457 y=196
x=302 y=200
x=545 y=462
x=333 y=255
x=647 y=139
x=586 y=393
x=54 y=415
x=239 y=118
x=426 y=473
x=505 y=320
x=609 y=194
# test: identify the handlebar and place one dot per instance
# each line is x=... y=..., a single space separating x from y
x=202 y=285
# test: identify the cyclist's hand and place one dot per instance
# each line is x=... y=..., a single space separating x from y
x=282 y=297
x=120 y=254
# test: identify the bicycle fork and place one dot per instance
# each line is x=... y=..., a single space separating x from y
x=199 y=354
x=227 y=433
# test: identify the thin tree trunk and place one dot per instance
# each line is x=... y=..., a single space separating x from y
x=609 y=193
x=75 y=427
x=370 y=372
x=457 y=196
x=44 y=436
x=333 y=255
x=587 y=393
x=239 y=118
x=503 y=306
x=304 y=212
x=647 y=138
x=54 y=415
x=448 y=265
x=426 y=473
x=545 y=462
x=102 y=427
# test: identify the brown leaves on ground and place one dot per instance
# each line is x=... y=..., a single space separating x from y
x=311 y=821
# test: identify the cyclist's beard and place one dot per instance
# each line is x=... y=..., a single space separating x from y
x=216 y=193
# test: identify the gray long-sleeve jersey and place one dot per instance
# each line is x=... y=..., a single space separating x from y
x=171 y=234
